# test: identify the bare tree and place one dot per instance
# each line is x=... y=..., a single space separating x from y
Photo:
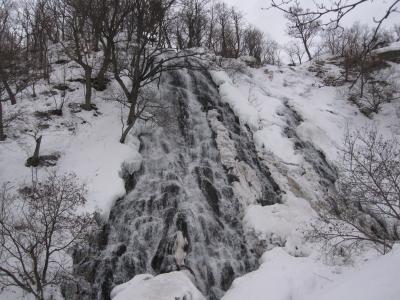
x=10 y=49
x=302 y=27
x=365 y=206
x=334 y=40
x=107 y=19
x=140 y=58
x=238 y=25
x=6 y=119
x=34 y=160
x=211 y=28
x=295 y=53
x=37 y=228
x=78 y=37
x=191 y=23
x=34 y=20
x=253 y=43
x=223 y=19
x=332 y=12
x=271 y=52
x=380 y=88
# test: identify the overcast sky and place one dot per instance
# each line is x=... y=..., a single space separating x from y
x=273 y=23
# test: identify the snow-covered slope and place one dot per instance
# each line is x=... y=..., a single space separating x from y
x=282 y=276
x=86 y=142
x=298 y=124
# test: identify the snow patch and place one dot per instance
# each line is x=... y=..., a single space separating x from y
x=280 y=277
x=174 y=285
x=233 y=96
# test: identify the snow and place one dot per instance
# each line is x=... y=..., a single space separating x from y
x=279 y=224
x=292 y=267
x=392 y=47
x=96 y=156
x=235 y=99
x=282 y=277
x=174 y=285
x=377 y=279
x=87 y=142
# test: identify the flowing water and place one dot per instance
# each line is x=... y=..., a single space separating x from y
x=200 y=169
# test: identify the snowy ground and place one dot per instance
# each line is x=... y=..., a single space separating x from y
x=87 y=142
x=283 y=277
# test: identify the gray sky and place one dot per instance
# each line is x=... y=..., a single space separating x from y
x=273 y=23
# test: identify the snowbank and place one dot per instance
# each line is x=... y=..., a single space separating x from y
x=280 y=224
x=283 y=277
x=280 y=277
x=376 y=280
x=175 y=285
x=392 y=47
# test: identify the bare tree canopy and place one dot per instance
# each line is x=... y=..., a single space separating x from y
x=365 y=206
x=37 y=228
x=332 y=12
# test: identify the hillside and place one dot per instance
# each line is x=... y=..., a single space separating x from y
x=237 y=161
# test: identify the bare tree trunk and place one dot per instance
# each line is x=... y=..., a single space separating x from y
x=130 y=122
x=9 y=92
x=299 y=58
x=125 y=133
x=2 y=136
x=34 y=90
x=37 y=149
x=224 y=46
x=101 y=76
x=132 y=117
x=88 y=87
x=307 y=50
x=34 y=160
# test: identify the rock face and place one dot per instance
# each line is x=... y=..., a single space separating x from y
x=200 y=169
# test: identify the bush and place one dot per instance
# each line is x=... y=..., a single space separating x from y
x=370 y=95
x=365 y=206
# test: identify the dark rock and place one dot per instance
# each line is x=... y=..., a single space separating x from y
x=43 y=161
x=120 y=250
x=227 y=276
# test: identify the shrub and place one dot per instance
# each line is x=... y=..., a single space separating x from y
x=365 y=206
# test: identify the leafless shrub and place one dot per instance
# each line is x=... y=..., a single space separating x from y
x=365 y=208
x=60 y=101
x=234 y=68
x=37 y=228
x=371 y=94
x=295 y=53
x=272 y=53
